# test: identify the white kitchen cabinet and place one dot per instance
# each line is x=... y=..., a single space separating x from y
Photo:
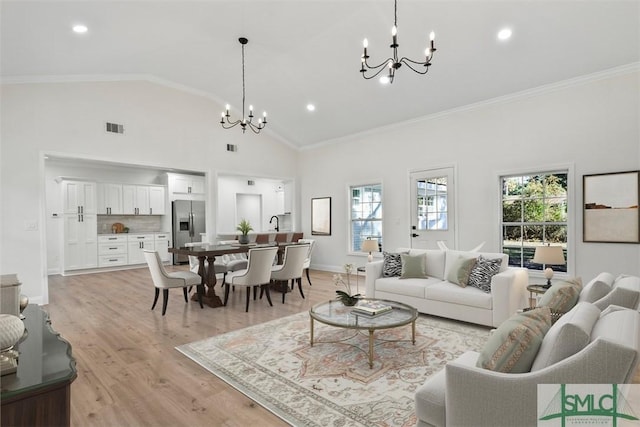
x=112 y=250
x=110 y=199
x=80 y=248
x=188 y=184
x=136 y=244
x=157 y=201
x=135 y=199
x=143 y=200
x=79 y=197
x=161 y=245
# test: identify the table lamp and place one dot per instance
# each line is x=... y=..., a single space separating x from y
x=548 y=255
x=369 y=245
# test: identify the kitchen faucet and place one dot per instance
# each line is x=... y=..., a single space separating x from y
x=277 y=222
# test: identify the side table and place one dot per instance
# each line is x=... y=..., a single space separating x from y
x=536 y=289
x=361 y=269
x=39 y=393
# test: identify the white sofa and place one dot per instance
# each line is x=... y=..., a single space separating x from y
x=463 y=394
x=435 y=295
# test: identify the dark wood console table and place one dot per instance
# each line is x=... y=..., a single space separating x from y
x=39 y=393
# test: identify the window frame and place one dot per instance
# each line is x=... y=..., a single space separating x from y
x=570 y=222
x=350 y=220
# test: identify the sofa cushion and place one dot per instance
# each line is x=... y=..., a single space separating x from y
x=409 y=287
x=430 y=397
x=514 y=345
x=598 y=287
x=435 y=260
x=627 y=282
x=619 y=326
x=451 y=256
x=413 y=266
x=391 y=264
x=460 y=270
x=454 y=294
x=570 y=334
x=562 y=295
x=483 y=271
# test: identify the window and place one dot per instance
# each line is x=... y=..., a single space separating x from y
x=366 y=214
x=534 y=212
x=432 y=203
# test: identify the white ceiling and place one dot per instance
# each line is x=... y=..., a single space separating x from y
x=306 y=51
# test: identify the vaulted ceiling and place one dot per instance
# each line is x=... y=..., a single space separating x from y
x=308 y=51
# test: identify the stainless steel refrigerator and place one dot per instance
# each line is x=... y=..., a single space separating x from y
x=188 y=223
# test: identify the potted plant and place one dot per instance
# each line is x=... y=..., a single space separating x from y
x=244 y=227
x=346 y=297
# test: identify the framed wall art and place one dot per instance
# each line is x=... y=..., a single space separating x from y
x=321 y=216
x=610 y=211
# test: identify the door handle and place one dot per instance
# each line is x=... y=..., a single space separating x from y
x=414 y=235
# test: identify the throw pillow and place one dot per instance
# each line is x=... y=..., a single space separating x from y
x=562 y=296
x=391 y=264
x=460 y=270
x=514 y=345
x=413 y=266
x=570 y=334
x=483 y=271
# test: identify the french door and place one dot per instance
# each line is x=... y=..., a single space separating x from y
x=432 y=208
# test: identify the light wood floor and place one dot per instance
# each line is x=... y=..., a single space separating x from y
x=129 y=373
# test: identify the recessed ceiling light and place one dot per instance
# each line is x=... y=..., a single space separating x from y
x=80 y=29
x=504 y=34
x=311 y=107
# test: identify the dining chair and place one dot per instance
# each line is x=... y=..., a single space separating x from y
x=281 y=238
x=165 y=281
x=307 y=261
x=220 y=267
x=296 y=236
x=257 y=273
x=291 y=268
x=262 y=238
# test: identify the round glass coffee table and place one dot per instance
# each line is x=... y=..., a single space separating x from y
x=334 y=313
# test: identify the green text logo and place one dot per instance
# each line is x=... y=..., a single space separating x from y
x=587 y=403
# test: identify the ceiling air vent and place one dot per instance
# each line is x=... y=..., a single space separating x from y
x=251 y=182
x=115 y=128
x=232 y=147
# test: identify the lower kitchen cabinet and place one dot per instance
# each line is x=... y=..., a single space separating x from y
x=161 y=244
x=136 y=244
x=112 y=251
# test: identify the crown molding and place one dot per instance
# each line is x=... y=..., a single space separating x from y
x=544 y=89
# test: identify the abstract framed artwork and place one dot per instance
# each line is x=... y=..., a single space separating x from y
x=321 y=216
x=610 y=211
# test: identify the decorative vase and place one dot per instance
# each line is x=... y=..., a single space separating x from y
x=346 y=299
x=243 y=239
x=11 y=330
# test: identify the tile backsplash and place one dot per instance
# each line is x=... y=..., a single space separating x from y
x=136 y=223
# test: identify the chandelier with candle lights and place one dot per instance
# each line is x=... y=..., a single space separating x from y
x=392 y=64
x=246 y=121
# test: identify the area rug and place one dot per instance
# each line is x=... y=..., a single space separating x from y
x=331 y=384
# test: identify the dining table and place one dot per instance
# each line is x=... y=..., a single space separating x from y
x=209 y=252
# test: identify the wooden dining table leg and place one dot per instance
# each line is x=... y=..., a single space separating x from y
x=206 y=293
x=211 y=298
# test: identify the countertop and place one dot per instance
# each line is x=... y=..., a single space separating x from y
x=133 y=232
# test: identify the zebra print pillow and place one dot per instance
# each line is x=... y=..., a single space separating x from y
x=391 y=265
x=482 y=272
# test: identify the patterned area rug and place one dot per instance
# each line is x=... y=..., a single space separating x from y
x=331 y=383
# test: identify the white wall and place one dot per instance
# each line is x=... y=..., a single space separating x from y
x=229 y=186
x=164 y=127
x=591 y=125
